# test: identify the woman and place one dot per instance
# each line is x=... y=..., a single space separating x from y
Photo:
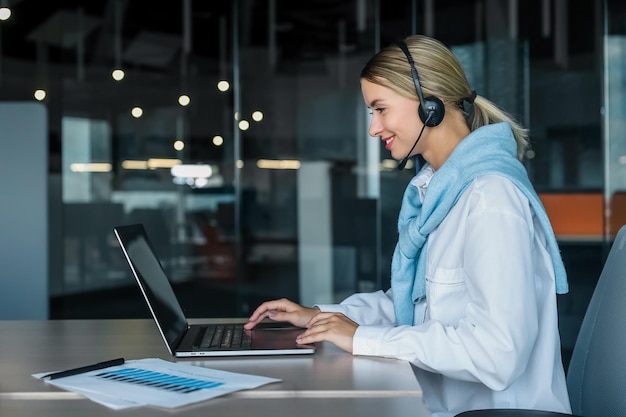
x=475 y=273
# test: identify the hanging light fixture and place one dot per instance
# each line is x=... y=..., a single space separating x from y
x=5 y=10
x=118 y=73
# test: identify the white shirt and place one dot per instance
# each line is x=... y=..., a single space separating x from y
x=486 y=335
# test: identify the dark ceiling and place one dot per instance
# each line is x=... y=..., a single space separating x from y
x=151 y=33
x=149 y=36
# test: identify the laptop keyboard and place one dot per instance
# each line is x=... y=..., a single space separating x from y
x=225 y=336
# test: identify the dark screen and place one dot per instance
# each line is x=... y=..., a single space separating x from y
x=154 y=284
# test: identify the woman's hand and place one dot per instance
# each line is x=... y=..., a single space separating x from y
x=282 y=310
x=330 y=327
x=321 y=327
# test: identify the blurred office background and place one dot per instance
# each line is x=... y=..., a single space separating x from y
x=236 y=133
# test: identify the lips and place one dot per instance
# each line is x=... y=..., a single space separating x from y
x=388 y=142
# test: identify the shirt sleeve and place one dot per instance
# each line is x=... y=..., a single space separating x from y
x=374 y=308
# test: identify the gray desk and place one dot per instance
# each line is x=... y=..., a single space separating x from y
x=330 y=382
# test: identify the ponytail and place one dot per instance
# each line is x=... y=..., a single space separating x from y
x=485 y=112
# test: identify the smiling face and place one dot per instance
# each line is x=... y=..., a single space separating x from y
x=394 y=119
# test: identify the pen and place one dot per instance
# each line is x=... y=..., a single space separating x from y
x=83 y=369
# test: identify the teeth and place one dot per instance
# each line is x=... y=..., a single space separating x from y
x=388 y=141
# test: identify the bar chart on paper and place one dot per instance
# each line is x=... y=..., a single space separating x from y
x=156 y=382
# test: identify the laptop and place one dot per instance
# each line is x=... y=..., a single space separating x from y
x=186 y=340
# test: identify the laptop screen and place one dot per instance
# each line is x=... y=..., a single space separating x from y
x=154 y=284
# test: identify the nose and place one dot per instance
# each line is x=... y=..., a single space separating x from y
x=375 y=126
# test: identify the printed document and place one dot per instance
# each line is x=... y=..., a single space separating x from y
x=155 y=382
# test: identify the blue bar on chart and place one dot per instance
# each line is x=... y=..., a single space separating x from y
x=158 y=380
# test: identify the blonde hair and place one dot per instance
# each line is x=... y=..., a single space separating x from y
x=440 y=75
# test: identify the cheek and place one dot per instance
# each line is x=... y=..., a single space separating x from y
x=408 y=127
x=398 y=123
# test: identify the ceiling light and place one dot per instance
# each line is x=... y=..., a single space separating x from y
x=118 y=74
x=257 y=116
x=192 y=171
x=218 y=140
x=131 y=164
x=5 y=13
x=184 y=100
x=137 y=112
x=154 y=163
x=278 y=164
x=39 y=94
x=244 y=125
x=223 y=85
x=195 y=176
x=91 y=167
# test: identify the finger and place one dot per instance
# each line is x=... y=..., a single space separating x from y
x=333 y=330
x=319 y=317
x=264 y=308
x=259 y=314
x=322 y=327
x=311 y=336
x=278 y=315
x=254 y=321
x=316 y=318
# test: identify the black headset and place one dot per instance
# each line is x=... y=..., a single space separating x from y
x=431 y=109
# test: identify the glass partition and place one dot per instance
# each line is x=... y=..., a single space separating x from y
x=615 y=117
x=236 y=133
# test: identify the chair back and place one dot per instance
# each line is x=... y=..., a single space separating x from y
x=596 y=377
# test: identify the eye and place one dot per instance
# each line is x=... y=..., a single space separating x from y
x=379 y=109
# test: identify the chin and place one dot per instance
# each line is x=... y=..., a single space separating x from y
x=396 y=156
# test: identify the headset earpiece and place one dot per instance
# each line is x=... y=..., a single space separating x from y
x=434 y=107
x=431 y=109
